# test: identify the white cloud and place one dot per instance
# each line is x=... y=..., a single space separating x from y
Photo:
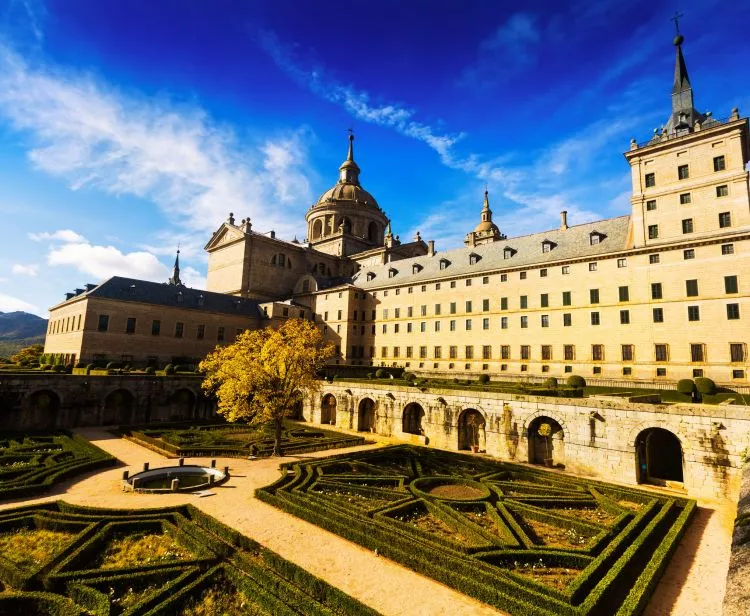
x=104 y=261
x=25 y=270
x=195 y=169
x=12 y=304
x=63 y=235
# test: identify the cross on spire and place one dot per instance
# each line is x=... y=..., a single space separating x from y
x=676 y=19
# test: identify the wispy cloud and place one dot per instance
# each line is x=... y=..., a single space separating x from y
x=8 y=303
x=195 y=169
x=63 y=235
x=20 y=269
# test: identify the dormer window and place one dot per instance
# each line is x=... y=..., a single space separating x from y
x=370 y=276
x=548 y=246
x=596 y=238
x=508 y=252
x=474 y=258
x=416 y=268
x=444 y=263
x=392 y=272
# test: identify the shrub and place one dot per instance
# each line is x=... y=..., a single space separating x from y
x=46 y=367
x=381 y=374
x=114 y=365
x=686 y=386
x=409 y=376
x=169 y=369
x=182 y=368
x=705 y=386
x=550 y=383
x=576 y=381
x=150 y=370
x=484 y=379
x=59 y=368
x=370 y=375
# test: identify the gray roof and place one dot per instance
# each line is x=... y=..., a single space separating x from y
x=567 y=244
x=163 y=294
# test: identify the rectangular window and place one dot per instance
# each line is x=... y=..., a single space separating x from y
x=566 y=301
x=656 y=292
x=437 y=309
x=453 y=282
x=627 y=352
x=504 y=323
x=396 y=313
x=566 y=269
x=683 y=172
x=661 y=352
x=220 y=334
x=694 y=313
x=653 y=232
x=722 y=191
x=453 y=308
x=725 y=220
x=522 y=275
x=543 y=271
x=546 y=352
x=503 y=303
x=505 y=351
x=503 y=277
x=396 y=352
x=697 y=352
x=423 y=311
x=408 y=328
x=567 y=319
x=650 y=205
x=469 y=352
x=410 y=312
x=687 y=225
x=733 y=311
x=103 y=324
x=423 y=326
x=485 y=305
x=624 y=317
x=130 y=325
x=524 y=302
x=545 y=320
x=385 y=328
x=685 y=199
x=688 y=254
x=468 y=325
x=592 y=266
x=661 y=372
x=594 y=296
x=525 y=351
x=623 y=293
x=468 y=282
x=544 y=300
x=622 y=263
x=650 y=179
x=486 y=351
x=569 y=352
x=485 y=323
x=737 y=352
x=595 y=318
x=719 y=163
x=653 y=259
x=597 y=352
x=691 y=288
x=727 y=249
x=437 y=352
x=395 y=328
x=452 y=325
x=422 y=352
x=179 y=330
x=409 y=352
x=730 y=284
x=155 y=327
x=453 y=352
x=524 y=322
x=485 y=280
x=437 y=326
x=658 y=315
x=200 y=332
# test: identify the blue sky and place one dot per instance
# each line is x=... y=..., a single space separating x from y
x=127 y=127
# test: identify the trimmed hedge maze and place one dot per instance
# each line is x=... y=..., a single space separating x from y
x=235 y=440
x=63 y=560
x=32 y=463
x=527 y=541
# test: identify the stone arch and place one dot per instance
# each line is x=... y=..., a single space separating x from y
x=546 y=449
x=659 y=457
x=43 y=408
x=472 y=430
x=328 y=406
x=645 y=425
x=118 y=407
x=411 y=420
x=373 y=231
x=182 y=404
x=366 y=415
x=317 y=229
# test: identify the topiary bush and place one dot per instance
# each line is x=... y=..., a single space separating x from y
x=686 y=386
x=409 y=376
x=381 y=374
x=150 y=370
x=705 y=386
x=550 y=383
x=576 y=381
x=114 y=365
x=169 y=369
x=484 y=379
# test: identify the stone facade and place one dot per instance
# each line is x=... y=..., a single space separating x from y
x=592 y=437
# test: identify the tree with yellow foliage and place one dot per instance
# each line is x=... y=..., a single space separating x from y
x=264 y=372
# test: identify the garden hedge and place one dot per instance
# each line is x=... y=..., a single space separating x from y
x=527 y=541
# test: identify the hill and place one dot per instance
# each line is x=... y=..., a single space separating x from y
x=20 y=329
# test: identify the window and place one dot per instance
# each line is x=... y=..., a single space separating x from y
x=452 y=308
x=395 y=328
x=437 y=326
x=437 y=287
x=452 y=325
x=220 y=334
x=594 y=296
x=423 y=311
x=473 y=259
x=130 y=325
x=719 y=163
x=544 y=300
x=468 y=282
x=622 y=263
x=658 y=315
x=627 y=352
x=103 y=324
x=624 y=317
x=437 y=309
x=503 y=277
x=155 y=327
x=546 y=352
x=422 y=352
x=409 y=352
x=650 y=179
x=691 y=288
x=485 y=323
x=423 y=288
x=656 y=292
x=592 y=267
x=733 y=311
x=597 y=352
x=738 y=374
x=730 y=284
x=468 y=325
x=595 y=239
x=486 y=351
x=485 y=305
x=725 y=220
x=422 y=326
x=444 y=263
x=179 y=330
x=396 y=352
x=566 y=269
x=201 y=332
x=737 y=352
x=545 y=320
x=722 y=191
x=685 y=199
x=453 y=352
x=504 y=323
x=522 y=276
x=385 y=328
x=567 y=319
x=661 y=352
x=408 y=328
x=627 y=371
x=653 y=232
x=469 y=352
x=525 y=351
x=687 y=225
x=437 y=352
x=508 y=253
x=524 y=322
x=566 y=301
x=650 y=205
x=697 y=352
x=453 y=284
x=653 y=259
x=661 y=372
x=595 y=318
x=727 y=249
x=485 y=280
x=503 y=303
x=569 y=352
x=623 y=293
x=543 y=272
x=524 y=302
x=688 y=254
x=694 y=313
x=683 y=172
x=392 y=272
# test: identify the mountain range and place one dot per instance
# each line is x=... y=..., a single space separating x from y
x=20 y=329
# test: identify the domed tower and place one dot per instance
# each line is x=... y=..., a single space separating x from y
x=486 y=231
x=346 y=219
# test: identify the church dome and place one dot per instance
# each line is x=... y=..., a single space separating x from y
x=347 y=192
x=486 y=225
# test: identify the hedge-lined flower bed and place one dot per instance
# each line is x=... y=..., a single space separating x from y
x=31 y=463
x=235 y=440
x=527 y=541
x=202 y=566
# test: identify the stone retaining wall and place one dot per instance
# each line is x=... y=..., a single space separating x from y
x=737 y=598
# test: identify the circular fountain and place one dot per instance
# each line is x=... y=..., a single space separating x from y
x=184 y=478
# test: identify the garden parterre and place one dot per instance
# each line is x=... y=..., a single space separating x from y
x=527 y=541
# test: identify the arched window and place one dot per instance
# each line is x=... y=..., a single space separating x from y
x=281 y=260
x=372 y=232
x=317 y=229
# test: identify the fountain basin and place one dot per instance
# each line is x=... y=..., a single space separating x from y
x=191 y=478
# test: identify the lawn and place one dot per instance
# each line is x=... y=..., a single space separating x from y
x=527 y=541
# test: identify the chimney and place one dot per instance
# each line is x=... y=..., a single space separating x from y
x=431 y=248
x=563 y=219
x=273 y=235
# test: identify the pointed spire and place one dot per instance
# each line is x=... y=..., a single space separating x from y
x=486 y=211
x=684 y=114
x=388 y=228
x=175 y=279
x=350 y=154
x=349 y=171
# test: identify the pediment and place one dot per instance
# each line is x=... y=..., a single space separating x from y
x=226 y=234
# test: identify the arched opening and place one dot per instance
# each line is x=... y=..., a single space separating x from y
x=366 y=416
x=118 y=408
x=182 y=404
x=328 y=410
x=44 y=407
x=317 y=229
x=345 y=225
x=412 y=418
x=471 y=430
x=372 y=232
x=659 y=457
x=546 y=442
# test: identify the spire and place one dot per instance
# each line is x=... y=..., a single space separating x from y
x=349 y=171
x=684 y=114
x=486 y=211
x=175 y=279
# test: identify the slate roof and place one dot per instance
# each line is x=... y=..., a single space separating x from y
x=162 y=294
x=571 y=243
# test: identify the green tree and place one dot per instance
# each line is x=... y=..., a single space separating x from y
x=28 y=354
x=260 y=376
